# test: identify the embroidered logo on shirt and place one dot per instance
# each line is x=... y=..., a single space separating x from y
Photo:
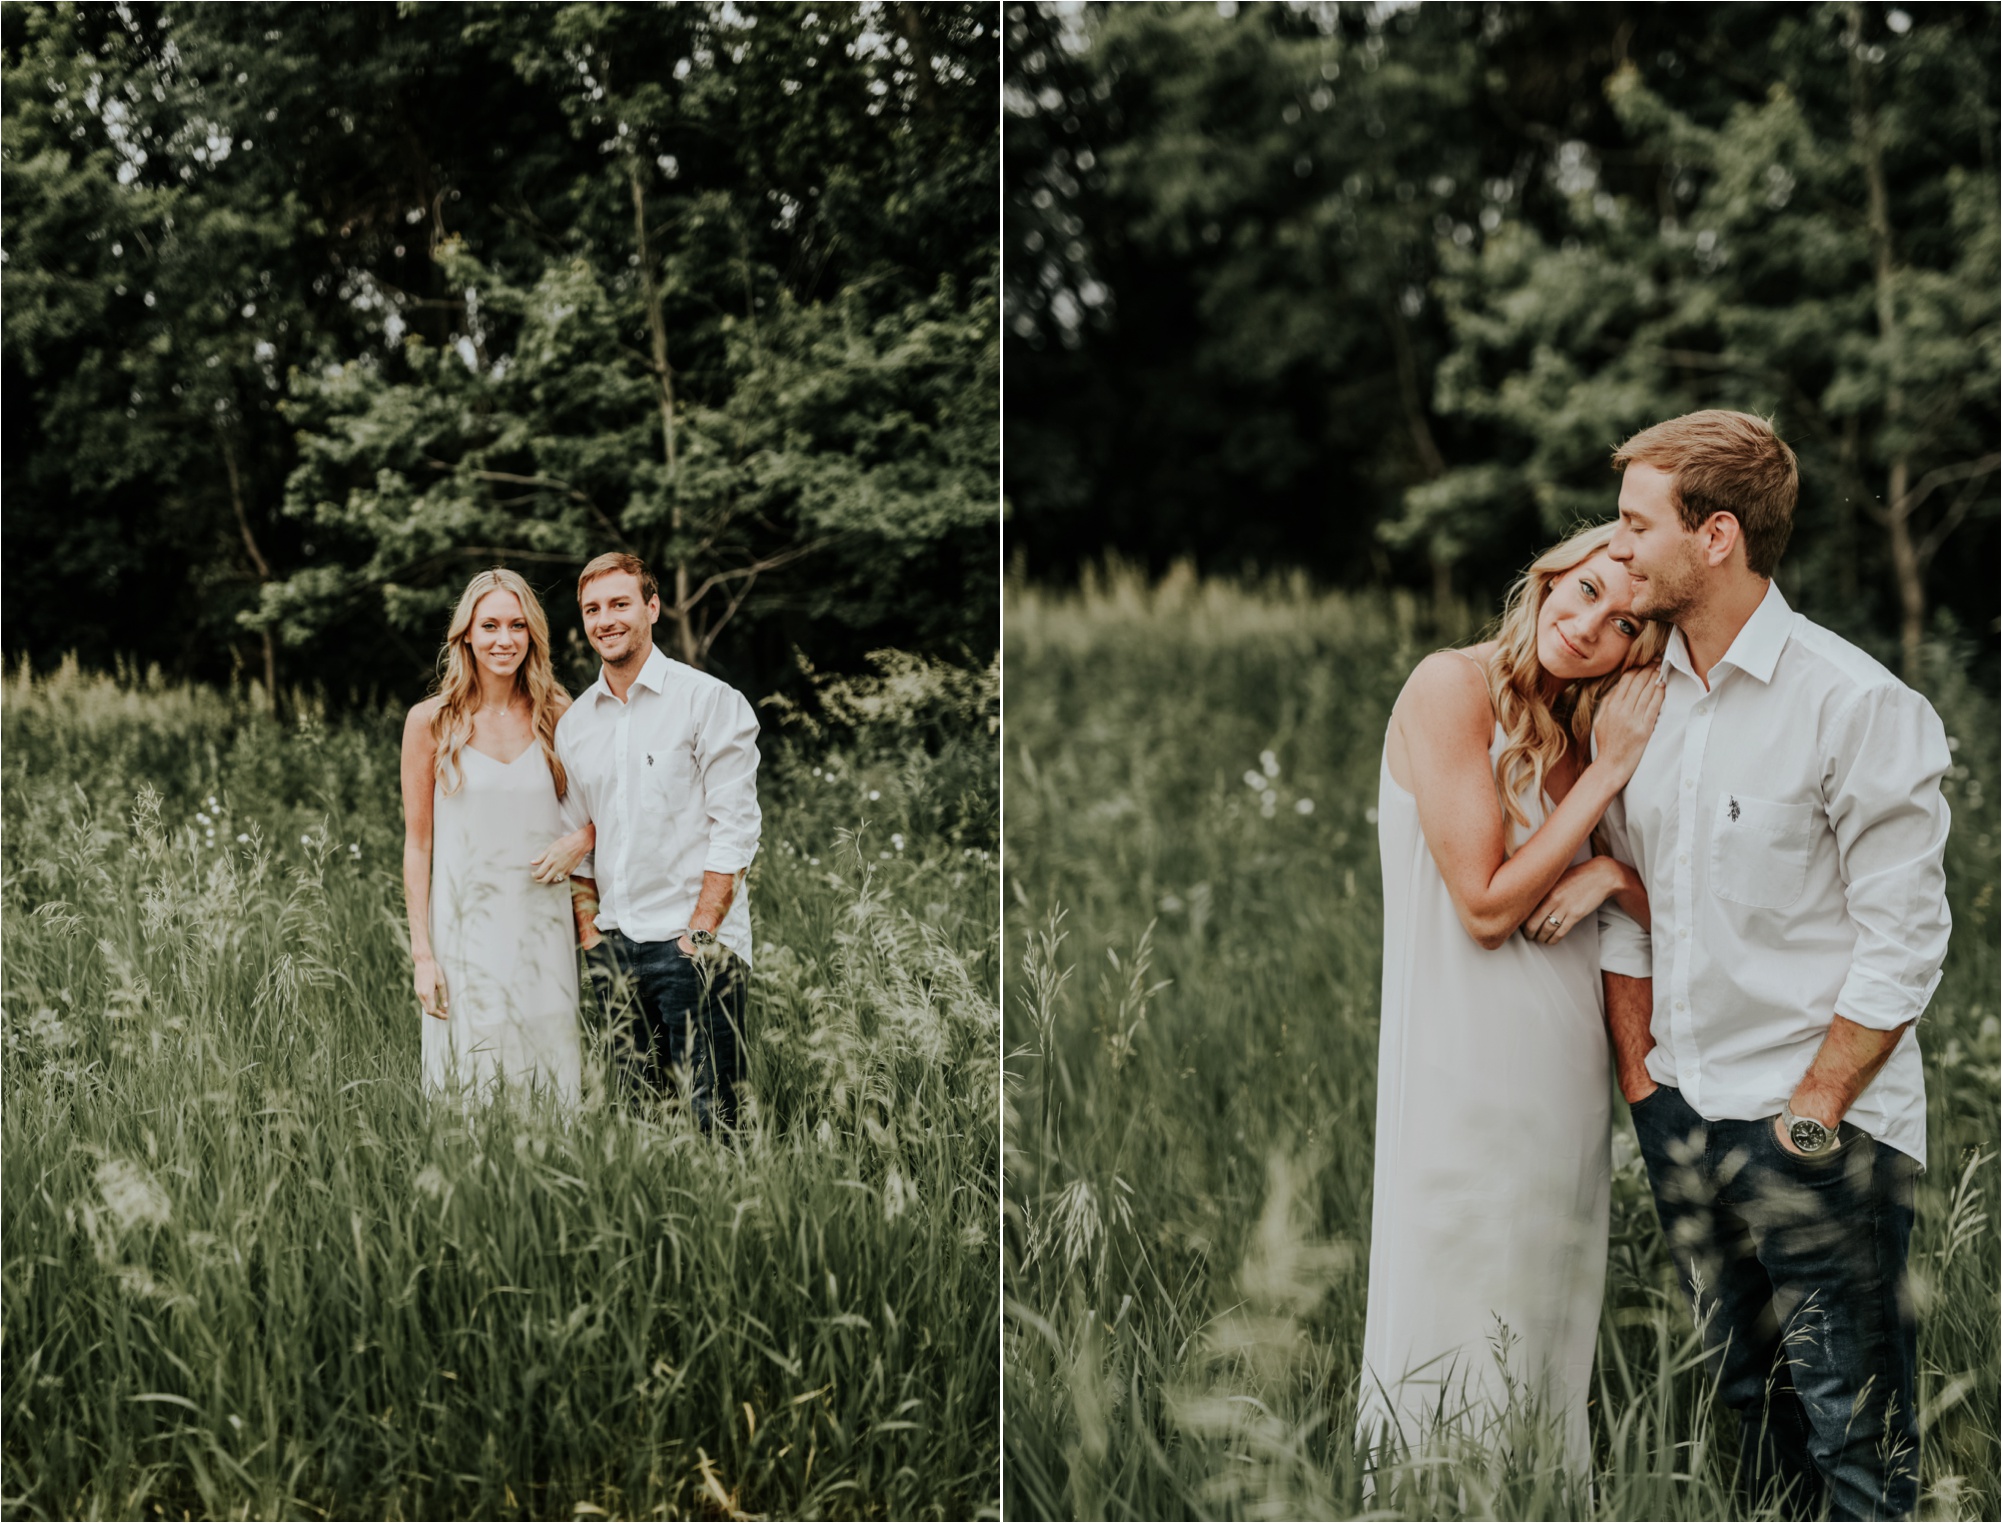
x=1734 y=801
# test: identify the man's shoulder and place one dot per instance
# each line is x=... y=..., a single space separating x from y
x=696 y=683
x=578 y=714
x=1845 y=668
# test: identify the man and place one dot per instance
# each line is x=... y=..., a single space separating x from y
x=663 y=761
x=1787 y=822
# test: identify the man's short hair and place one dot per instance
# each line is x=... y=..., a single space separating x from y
x=617 y=560
x=1725 y=462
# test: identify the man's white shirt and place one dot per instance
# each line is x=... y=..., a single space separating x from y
x=670 y=777
x=1789 y=829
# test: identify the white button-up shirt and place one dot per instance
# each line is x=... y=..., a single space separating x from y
x=1788 y=825
x=670 y=777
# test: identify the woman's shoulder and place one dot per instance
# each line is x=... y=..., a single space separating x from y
x=1448 y=685
x=422 y=712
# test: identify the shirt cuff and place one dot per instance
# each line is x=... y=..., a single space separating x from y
x=1627 y=961
x=722 y=860
x=1624 y=948
x=1869 y=999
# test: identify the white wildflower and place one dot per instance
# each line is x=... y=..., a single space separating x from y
x=1305 y=806
x=899 y=1195
x=132 y=1196
x=1268 y=763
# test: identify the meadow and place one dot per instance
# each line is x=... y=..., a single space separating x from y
x=1193 y=945
x=247 y=1269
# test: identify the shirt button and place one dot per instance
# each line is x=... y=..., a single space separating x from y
x=1689 y=782
x=1683 y=934
x=1680 y=1006
x=1683 y=859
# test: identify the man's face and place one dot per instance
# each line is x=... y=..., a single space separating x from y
x=616 y=622
x=1664 y=559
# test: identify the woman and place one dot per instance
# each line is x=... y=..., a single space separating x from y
x=1488 y=1233
x=496 y=967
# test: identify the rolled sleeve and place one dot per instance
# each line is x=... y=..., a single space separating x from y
x=727 y=761
x=1890 y=823
x=1624 y=947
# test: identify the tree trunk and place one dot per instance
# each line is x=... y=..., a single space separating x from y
x=1905 y=564
x=1907 y=568
x=257 y=560
x=1442 y=587
x=918 y=36
x=679 y=615
x=1431 y=463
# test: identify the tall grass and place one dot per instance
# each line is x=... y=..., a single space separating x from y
x=1193 y=942
x=250 y=1270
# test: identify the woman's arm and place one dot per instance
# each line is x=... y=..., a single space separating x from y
x=419 y=777
x=1446 y=725
x=1578 y=895
x=561 y=856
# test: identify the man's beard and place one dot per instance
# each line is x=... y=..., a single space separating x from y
x=630 y=650
x=1672 y=592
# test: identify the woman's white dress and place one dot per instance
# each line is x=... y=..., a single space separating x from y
x=505 y=943
x=1487 y=1256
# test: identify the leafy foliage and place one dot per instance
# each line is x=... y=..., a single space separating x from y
x=503 y=283
x=1374 y=291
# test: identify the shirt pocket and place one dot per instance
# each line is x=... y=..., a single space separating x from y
x=1759 y=850
x=666 y=775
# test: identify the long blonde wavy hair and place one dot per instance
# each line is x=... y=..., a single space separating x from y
x=458 y=681
x=1537 y=732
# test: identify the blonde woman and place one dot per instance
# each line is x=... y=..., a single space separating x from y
x=1488 y=1232
x=493 y=947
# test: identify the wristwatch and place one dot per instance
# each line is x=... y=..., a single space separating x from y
x=1809 y=1135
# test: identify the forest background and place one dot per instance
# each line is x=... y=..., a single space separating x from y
x=314 y=310
x=1372 y=291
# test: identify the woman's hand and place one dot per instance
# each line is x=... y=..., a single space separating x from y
x=1626 y=719
x=562 y=855
x=430 y=983
x=1579 y=893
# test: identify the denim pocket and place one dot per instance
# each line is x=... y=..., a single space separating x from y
x=1848 y=1138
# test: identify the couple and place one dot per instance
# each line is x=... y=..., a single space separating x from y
x=510 y=791
x=1757 y=925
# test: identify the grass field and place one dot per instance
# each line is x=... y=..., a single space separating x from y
x=250 y=1271
x=1193 y=935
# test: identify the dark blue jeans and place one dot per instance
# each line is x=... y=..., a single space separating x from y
x=1796 y=1268
x=675 y=1017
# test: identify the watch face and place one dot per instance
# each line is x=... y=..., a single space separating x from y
x=1808 y=1136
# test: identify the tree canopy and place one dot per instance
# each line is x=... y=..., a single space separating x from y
x=1375 y=290
x=314 y=310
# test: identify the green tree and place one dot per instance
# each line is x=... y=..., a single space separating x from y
x=1820 y=246
x=750 y=252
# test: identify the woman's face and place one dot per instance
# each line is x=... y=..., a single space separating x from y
x=1587 y=623
x=499 y=633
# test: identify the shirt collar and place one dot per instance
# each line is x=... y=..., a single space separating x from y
x=1755 y=651
x=653 y=677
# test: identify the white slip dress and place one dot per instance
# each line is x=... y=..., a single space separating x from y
x=505 y=943
x=1487 y=1259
